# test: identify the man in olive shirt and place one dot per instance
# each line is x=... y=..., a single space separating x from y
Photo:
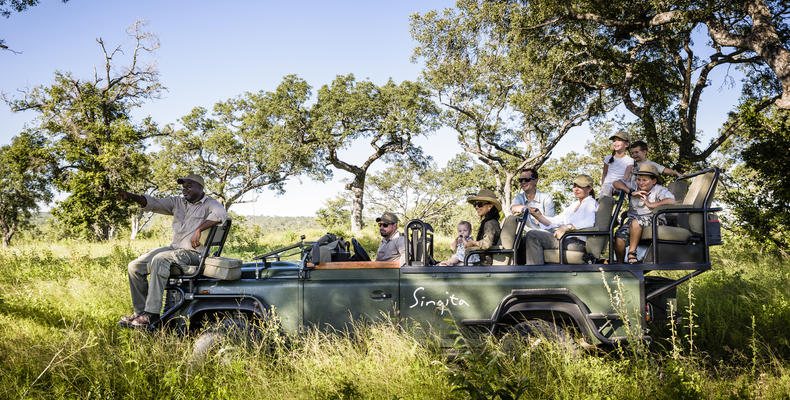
x=192 y=213
x=393 y=244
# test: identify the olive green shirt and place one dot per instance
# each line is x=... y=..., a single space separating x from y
x=393 y=248
x=187 y=217
x=491 y=231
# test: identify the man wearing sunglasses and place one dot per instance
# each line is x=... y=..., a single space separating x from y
x=529 y=196
x=393 y=244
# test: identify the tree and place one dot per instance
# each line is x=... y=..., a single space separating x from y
x=758 y=188
x=336 y=214
x=643 y=52
x=98 y=148
x=9 y=6
x=506 y=103
x=254 y=141
x=25 y=173
x=387 y=117
x=427 y=192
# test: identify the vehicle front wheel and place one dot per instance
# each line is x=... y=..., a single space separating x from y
x=221 y=335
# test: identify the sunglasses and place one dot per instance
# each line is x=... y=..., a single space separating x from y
x=525 y=180
x=480 y=204
x=384 y=225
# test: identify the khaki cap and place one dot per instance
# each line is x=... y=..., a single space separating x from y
x=194 y=178
x=583 y=180
x=388 y=218
x=485 y=195
x=621 y=135
x=647 y=169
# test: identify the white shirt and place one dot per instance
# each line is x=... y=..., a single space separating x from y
x=542 y=201
x=583 y=217
x=616 y=170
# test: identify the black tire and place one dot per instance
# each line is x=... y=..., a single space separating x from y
x=535 y=331
x=221 y=334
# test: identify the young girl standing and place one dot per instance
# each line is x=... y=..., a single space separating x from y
x=618 y=165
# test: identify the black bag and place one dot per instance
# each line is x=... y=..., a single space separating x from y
x=329 y=248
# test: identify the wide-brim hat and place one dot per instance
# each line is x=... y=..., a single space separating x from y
x=194 y=178
x=485 y=195
x=621 y=135
x=583 y=181
x=647 y=170
x=388 y=218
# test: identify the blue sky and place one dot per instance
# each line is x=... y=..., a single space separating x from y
x=212 y=51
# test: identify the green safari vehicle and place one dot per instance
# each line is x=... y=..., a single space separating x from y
x=581 y=291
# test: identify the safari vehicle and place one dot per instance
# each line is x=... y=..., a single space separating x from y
x=579 y=290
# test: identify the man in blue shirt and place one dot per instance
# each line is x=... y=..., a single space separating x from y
x=530 y=196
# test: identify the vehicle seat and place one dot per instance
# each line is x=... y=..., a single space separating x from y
x=421 y=246
x=688 y=224
x=684 y=242
x=596 y=244
x=507 y=238
x=214 y=239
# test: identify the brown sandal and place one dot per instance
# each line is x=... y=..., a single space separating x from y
x=145 y=320
x=126 y=320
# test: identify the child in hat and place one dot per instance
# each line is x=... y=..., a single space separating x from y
x=618 y=165
x=644 y=200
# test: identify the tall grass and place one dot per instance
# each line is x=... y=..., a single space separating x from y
x=59 y=303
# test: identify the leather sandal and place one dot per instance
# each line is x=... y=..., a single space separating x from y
x=632 y=257
x=145 y=321
x=126 y=320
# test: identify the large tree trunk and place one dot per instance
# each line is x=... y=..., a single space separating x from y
x=507 y=195
x=357 y=187
x=7 y=235
x=138 y=221
x=762 y=39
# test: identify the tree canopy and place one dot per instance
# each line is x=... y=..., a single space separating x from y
x=387 y=117
x=643 y=52
x=507 y=102
x=90 y=133
x=254 y=141
x=25 y=172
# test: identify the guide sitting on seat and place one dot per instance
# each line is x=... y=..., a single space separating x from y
x=193 y=213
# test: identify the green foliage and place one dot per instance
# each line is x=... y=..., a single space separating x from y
x=758 y=189
x=254 y=141
x=336 y=214
x=59 y=339
x=386 y=117
x=98 y=148
x=24 y=176
x=433 y=195
x=505 y=100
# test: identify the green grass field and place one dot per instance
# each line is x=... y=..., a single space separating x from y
x=58 y=339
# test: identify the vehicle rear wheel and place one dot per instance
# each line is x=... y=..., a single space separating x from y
x=534 y=332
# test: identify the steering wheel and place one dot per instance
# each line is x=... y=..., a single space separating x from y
x=359 y=252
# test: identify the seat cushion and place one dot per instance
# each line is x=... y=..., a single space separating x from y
x=667 y=233
x=552 y=256
x=573 y=254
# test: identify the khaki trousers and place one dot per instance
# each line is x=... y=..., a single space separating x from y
x=538 y=240
x=156 y=263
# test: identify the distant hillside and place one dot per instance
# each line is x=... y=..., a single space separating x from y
x=279 y=224
x=267 y=223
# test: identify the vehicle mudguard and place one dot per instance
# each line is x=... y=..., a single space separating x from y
x=211 y=304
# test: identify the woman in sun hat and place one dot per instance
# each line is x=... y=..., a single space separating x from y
x=580 y=214
x=488 y=208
